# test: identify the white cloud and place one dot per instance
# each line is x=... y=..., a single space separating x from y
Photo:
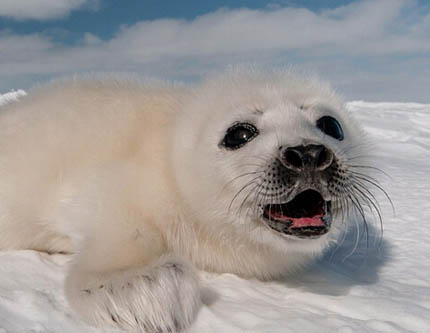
x=41 y=9
x=11 y=96
x=357 y=44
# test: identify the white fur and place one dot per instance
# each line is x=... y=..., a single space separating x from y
x=130 y=178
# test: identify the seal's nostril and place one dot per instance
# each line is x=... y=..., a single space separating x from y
x=324 y=158
x=293 y=157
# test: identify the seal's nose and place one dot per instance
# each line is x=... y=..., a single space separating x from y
x=298 y=158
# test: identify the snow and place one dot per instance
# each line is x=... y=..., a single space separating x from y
x=379 y=285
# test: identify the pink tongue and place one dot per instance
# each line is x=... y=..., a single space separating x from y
x=300 y=222
x=314 y=221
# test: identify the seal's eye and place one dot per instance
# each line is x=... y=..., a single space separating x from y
x=238 y=135
x=330 y=126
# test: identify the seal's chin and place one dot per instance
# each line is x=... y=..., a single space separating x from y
x=307 y=215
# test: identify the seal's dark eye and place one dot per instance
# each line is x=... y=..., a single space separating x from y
x=330 y=126
x=238 y=135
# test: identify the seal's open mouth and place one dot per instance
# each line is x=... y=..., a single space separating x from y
x=308 y=215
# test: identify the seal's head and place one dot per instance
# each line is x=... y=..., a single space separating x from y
x=267 y=154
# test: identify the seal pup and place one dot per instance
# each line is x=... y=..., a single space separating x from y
x=247 y=172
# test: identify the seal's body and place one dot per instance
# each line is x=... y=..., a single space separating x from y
x=246 y=173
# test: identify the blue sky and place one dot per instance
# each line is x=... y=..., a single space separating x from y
x=103 y=18
x=368 y=49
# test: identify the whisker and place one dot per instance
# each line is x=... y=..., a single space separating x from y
x=252 y=181
x=240 y=176
x=245 y=199
x=370 y=167
x=372 y=205
x=359 y=209
x=374 y=202
x=366 y=179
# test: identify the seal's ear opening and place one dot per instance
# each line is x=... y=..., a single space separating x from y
x=330 y=126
